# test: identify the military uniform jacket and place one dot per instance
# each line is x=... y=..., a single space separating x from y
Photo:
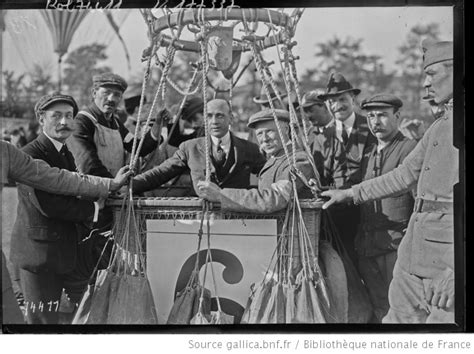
x=44 y=236
x=191 y=156
x=22 y=168
x=274 y=187
x=85 y=150
x=433 y=168
x=383 y=222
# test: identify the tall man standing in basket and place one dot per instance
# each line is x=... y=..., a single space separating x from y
x=232 y=159
x=422 y=289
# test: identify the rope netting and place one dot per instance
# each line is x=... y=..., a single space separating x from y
x=293 y=282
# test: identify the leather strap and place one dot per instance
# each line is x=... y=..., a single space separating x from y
x=433 y=206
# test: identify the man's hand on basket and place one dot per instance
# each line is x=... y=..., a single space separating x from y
x=120 y=179
x=337 y=196
x=209 y=191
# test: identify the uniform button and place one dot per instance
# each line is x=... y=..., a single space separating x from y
x=416 y=219
x=435 y=143
x=435 y=197
x=423 y=194
x=427 y=168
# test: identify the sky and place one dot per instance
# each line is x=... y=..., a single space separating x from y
x=383 y=30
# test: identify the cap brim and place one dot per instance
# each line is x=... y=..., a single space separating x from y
x=327 y=95
x=377 y=104
x=62 y=100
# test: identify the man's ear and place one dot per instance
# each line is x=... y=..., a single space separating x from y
x=93 y=91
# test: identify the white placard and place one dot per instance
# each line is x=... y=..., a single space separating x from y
x=242 y=250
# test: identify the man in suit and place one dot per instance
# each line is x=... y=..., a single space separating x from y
x=357 y=140
x=423 y=285
x=383 y=222
x=17 y=166
x=232 y=159
x=326 y=149
x=44 y=239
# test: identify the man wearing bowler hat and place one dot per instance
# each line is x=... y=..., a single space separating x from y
x=327 y=150
x=383 y=222
x=422 y=289
x=353 y=132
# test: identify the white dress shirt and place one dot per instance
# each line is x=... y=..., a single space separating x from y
x=225 y=143
x=347 y=125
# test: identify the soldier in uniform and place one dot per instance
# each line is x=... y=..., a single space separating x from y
x=422 y=289
x=383 y=222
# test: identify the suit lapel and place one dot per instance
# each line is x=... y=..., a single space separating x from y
x=51 y=154
x=201 y=146
x=238 y=149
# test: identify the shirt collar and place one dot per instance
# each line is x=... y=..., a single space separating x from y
x=349 y=122
x=225 y=140
x=58 y=145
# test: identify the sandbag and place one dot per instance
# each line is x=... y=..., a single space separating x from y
x=133 y=302
x=186 y=304
x=275 y=307
x=336 y=280
x=220 y=317
x=99 y=303
x=254 y=311
x=290 y=305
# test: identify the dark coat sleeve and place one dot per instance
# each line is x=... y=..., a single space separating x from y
x=172 y=167
x=149 y=144
x=84 y=149
x=258 y=160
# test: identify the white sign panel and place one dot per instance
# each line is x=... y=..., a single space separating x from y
x=241 y=252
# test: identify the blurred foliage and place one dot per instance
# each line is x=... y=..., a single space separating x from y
x=348 y=56
x=79 y=67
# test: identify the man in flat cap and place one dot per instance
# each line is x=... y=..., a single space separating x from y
x=232 y=159
x=357 y=140
x=17 y=166
x=422 y=289
x=44 y=238
x=100 y=139
x=383 y=222
x=327 y=150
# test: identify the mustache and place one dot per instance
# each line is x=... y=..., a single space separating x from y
x=110 y=103
x=65 y=129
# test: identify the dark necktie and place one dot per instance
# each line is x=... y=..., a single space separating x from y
x=63 y=152
x=345 y=137
x=219 y=155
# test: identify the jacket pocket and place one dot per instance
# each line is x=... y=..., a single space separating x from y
x=438 y=228
x=42 y=234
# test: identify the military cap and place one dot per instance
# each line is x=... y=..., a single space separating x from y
x=56 y=97
x=267 y=114
x=337 y=84
x=311 y=98
x=110 y=79
x=382 y=100
x=263 y=97
x=435 y=52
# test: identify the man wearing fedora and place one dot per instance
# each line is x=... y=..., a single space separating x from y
x=326 y=149
x=422 y=289
x=383 y=222
x=353 y=132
